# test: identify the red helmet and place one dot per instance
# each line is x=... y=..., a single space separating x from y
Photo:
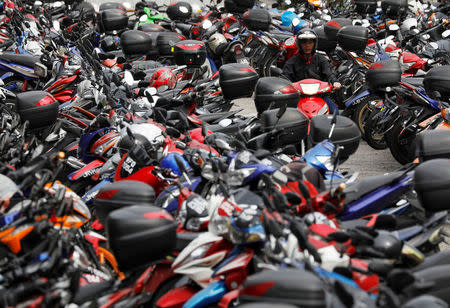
x=163 y=79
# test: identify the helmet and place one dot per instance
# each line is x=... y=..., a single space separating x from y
x=147 y=135
x=246 y=226
x=169 y=162
x=217 y=43
x=306 y=34
x=163 y=79
x=408 y=24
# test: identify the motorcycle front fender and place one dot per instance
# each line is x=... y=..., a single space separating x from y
x=356 y=98
x=210 y=295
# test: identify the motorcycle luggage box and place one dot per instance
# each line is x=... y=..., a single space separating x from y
x=135 y=42
x=112 y=5
x=274 y=92
x=153 y=52
x=438 y=79
x=364 y=7
x=257 y=19
x=346 y=133
x=237 y=80
x=113 y=19
x=333 y=26
x=238 y=6
x=190 y=53
x=179 y=11
x=120 y=194
x=287 y=286
x=293 y=126
x=433 y=144
x=432 y=184
x=151 y=28
x=138 y=235
x=38 y=107
x=165 y=41
x=394 y=8
x=383 y=74
x=353 y=38
x=323 y=43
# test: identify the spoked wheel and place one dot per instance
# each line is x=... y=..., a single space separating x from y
x=374 y=132
x=362 y=112
x=401 y=143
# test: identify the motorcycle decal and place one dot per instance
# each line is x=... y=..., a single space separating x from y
x=87 y=170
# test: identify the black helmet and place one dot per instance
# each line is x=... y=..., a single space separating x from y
x=306 y=34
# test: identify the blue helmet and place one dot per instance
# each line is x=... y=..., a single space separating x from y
x=169 y=162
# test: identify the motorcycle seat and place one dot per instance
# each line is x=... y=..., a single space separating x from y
x=415 y=82
x=25 y=60
x=146 y=65
x=117 y=53
x=358 y=189
x=211 y=118
x=281 y=36
x=184 y=238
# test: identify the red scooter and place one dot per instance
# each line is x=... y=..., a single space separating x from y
x=311 y=104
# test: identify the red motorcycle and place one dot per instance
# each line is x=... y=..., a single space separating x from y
x=311 y=104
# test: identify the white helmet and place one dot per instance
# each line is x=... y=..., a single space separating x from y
x=408 y=24
x=217 y=43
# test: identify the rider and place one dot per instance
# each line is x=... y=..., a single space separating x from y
x=309 y=64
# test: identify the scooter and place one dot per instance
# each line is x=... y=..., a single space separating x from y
x=311 y=104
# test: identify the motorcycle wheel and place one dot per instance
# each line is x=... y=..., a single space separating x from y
x=362 y=112
x=401 y=143
x=373 y=132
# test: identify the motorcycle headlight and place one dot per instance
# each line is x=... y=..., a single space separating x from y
x=310 y=89
x=196 y=254
x=40 y=70
x=98 y=150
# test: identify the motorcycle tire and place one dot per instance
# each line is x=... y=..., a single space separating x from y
x=362 y=112
x=373 y=138
x=401 y=143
